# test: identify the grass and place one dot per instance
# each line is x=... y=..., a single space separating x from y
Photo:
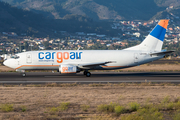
x=61 y=85
x=85 y=107
x=166 y=100
x=176 y=116
x=6 y=107
x=119 y=110
x=130 y=111
x=106 y=108
x=96 y=85
x=148 y=111
x=23 y=108
x=167 y=104
x=134 y=112
x=144 y=114
x=170 y=106
x=145 y=83
x=134 y=106
x=53 y=110
x=97 y=98
x=63 y=106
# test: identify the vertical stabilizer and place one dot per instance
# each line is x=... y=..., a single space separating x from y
x=154 y=41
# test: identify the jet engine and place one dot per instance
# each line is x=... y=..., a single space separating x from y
x=68 y=69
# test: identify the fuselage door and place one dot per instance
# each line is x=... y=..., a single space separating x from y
x=28 y=58
x=135 y=57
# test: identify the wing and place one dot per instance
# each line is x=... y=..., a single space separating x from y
x=91 y=65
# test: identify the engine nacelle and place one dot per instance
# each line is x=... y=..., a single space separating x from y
x=68 y=69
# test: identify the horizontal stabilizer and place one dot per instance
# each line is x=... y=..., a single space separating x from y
x=160 y=53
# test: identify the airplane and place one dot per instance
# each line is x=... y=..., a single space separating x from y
x=75 y=61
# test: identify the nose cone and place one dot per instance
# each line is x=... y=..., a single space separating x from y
x=10 y=63
x=5 y=62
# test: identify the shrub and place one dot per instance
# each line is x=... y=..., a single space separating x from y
x=7 y=107
x=148 y=105
x=84 y=107
x=23 y=108
x=132 y=117
x=152 y=110
x=177 y=100
x=119 y=110
x=176 y=116
x=53 y=109
x=166 y=100
x=106 y=108
x=134 y=106
x=63 y=106
x=144 y=114
x=103 y=108
x=170 y=106
x=177 y=105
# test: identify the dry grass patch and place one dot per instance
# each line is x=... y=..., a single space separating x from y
x=77 y=101
x=6 y=107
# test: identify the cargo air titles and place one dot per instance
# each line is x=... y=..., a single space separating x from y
x=58 y=56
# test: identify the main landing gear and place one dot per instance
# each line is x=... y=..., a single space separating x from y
x=23 y=73
x=88 y=74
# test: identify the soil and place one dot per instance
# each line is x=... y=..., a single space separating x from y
x=39 y=100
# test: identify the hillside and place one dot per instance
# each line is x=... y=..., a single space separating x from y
x=96 y=9
x=167 y=3
x=47 y=17
x=14 y=19
x=20 y=21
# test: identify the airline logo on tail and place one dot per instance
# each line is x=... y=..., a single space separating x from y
x=160 y=30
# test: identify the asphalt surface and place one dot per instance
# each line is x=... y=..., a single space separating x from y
x=96 y=77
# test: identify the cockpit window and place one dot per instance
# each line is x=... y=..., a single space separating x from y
x=15 y=56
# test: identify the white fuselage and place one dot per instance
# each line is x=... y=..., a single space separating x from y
x=52 y=59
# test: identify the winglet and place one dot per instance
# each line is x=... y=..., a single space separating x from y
x=163 y=23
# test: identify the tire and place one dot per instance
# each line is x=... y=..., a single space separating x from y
x=85 y=72
x=24 y=74
x=88 y=74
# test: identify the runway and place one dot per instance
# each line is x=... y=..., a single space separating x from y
x=96 y=77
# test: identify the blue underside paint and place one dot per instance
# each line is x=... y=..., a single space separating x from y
x=158 y=32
